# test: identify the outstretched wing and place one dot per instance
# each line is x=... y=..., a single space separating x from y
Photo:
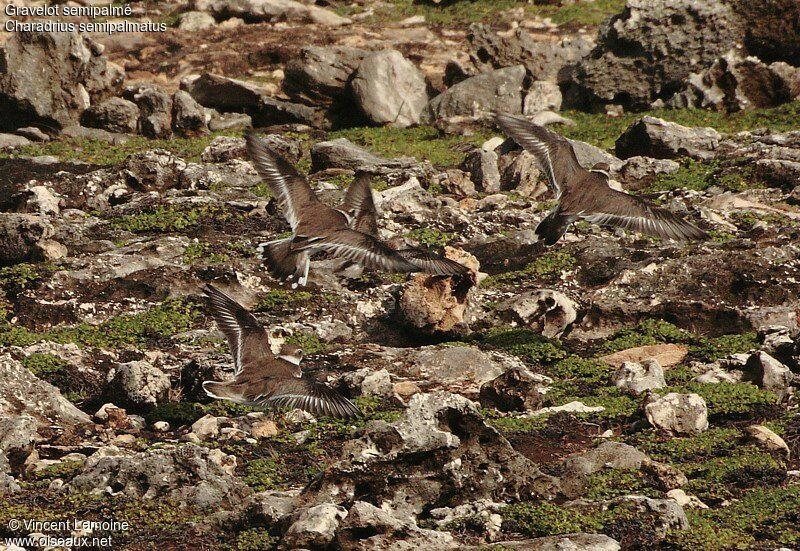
x=632 y=213
x=308 y=395
x=246 y=336
x=431 y=263
x=553 y=152
x=360 y=205
x=289 y=187
x=365 y=250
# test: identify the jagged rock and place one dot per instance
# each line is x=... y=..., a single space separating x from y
x=456 y=182
x=320 y=74
x=8 y=141
x=543 y=59
x=646 y=51
x=639 y=377
x=433 y=304
x=769 y=373
x=188 y=116
x=155 y=170
x=440 y=454
x=26 y=238
x=206 y=427
x=194 y=21
x=316 y=527
x=41 y=200
x=368 y=528
x=227 y=94
x=138 y=384
x=637 y=169
x=18 y=434
x=272 y=111
x=516 y=389
x=342 y=153
x=685 y=500
x=114 y=115
x=678 y=413
x=389 y=89
x=458 y=366
x=542 y=96
x=481 y=95
x=564 y=542
x=666 y=354
x=653 y=137
x=50 y=78
x=545 y=311
x=482 y=514
x=24 y=394
x=270 y=10
x=155 y=111
x=734 y=82
x=228 y=121
x=272 y=506
x=188 y=475
x=520 y=172
x=483 y=169
x=408 y=201
x=32 y=133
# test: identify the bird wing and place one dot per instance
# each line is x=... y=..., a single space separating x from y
x=365 y=250
x=246 y=336
x=553 y=152
x=360 y=205
x=290 y=188
x=632 y=213
x=431 y=263
x=309 y=395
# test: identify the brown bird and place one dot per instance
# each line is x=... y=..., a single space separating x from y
x=349 y=232
x=585 y=194
x=261 y=378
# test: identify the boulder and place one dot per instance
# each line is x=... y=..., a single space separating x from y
x=188 y=475
x=188 y=116
x=462 y=367
x=50 y=78
x=483 y=94
x=9 y=141
x=315 y=528
x=545 y=60
x=769 y=373
x=515 y=390
x=767 y=439
x=114 y=115
x=270 y=10
x=645 y=52
x=433 y=304
x=155 y=112
x=678 y=413
x=542 y=96
x=564 y=542
x=154 y=170
x=654 y=137
x=665 y=354
x=389 y=89
x=138 y=384
x=271 y=111
x=26 y=238
x=342 y=153
x=226 y=94
x=733 y=83
x=26 y=397
x=320 y=74
x=369 y=528
x=482 y=166
x=661 y=515
x=545 y=311
x=638 y=377
x=193 y=21
x=440 y=454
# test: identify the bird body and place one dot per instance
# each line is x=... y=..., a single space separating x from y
x=262 y=378
x=586 y=194
x=349 y=232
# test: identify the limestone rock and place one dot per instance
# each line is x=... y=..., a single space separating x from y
x=368 y=528
x=188 y=116
x=666 y=354
x=138 y=384
x=316 y=527
x=483 y=94
x=545 y=311
x=194 y=21
x=653 y=137
x=25 y=238
x=320 y=74
x=114 y=114
x=155 y=112
x=639 y=377
x=271 y=10
x=514 y=390
x=678 y=413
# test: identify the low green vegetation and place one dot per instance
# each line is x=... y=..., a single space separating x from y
x=731 y=399
x=700 y=175
x=202 y=252
x=19 y=277
x=254 y=539
x=431 y=237
x=264 y=474
x=525 y=343
x=309 y=343
x=549 y=265
x=611 y=483
x=161 y=321
x=279 y=299
x=165 y=219
x=546 y=519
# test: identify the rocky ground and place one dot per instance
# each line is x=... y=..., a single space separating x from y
x=612 y=391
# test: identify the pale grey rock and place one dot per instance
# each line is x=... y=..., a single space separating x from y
x=389 y=89
x=458 y=366
x=270 y=10
x=193 y=21
x=273 y=506
x=482 y=166
x=188 y=116
x=639 y=377
x=481 y=95
x=154 y=170
x=542 y=96
x=654 y=137
x=138 y=384
x=368 y=528
x=316 y=527
x=114 y=115
x=10 y=141
x=545 y=311
x=321 y=73
x=678 y=413
x=565 y=542
x=769 y=373
x=342 y=153
x=155 y=112
x=226 y=94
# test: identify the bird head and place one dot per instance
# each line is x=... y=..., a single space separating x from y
x=292 y=354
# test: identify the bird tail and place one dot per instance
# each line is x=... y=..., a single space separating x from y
x=553 y=227
x=221 y=391
x=281 y=261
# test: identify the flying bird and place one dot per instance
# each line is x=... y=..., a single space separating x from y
x=261 y=378
x=585 y=194
x=348 y=232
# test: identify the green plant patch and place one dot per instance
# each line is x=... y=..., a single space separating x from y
x=526 y=344
x=549 y=265
x=546 y=519
x=19 y=277
x=731 y=399
x=279 y=299
x=431 y=237
x=264 y=474
x=611 y=483
x=201 y=252
x=721 y=478
x=63 y=470
x=166 y=219
x=309 y=343
x=254 y=539
x=616 y=404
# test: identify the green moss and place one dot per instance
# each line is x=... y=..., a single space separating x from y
x=44 y=365
x=719 y=236
x=747 y=219
x=730 y=399
x=510 y=425
x=616 y=404
x=166 y=219
x=64 y=470
x=254 y=539
x=587 y=371
x=720 y=478
x=694 y=175
x=611 y=483
x=676 y=450
x=162 y=321
x=710 y=349
x=19 y=277
x=550 y=264
x=201 y=251
x=421 y=142
x=278 y=299
x=310 y=343
x=546 y=519
x=651 y=331
x=102 y=153
x=177 y=414
x=526 y=344
x=431 y=237
x=264 y=474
